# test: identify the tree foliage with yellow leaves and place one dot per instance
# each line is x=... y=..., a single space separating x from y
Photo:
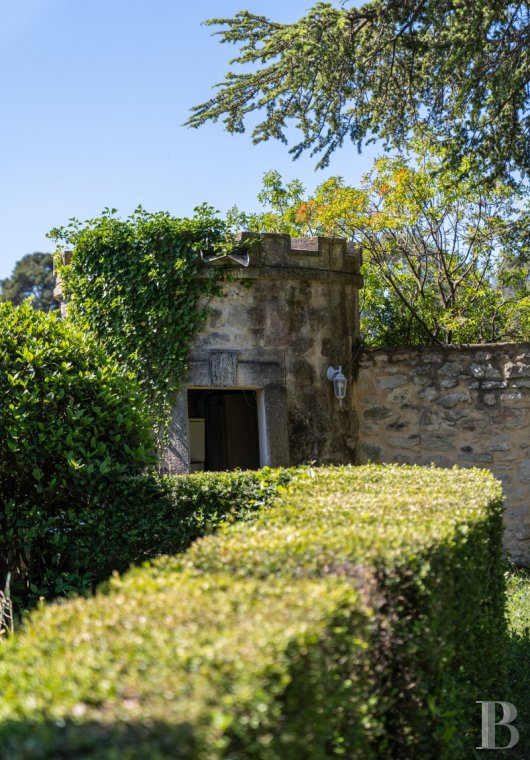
x=444 y=261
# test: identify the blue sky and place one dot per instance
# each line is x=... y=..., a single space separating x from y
x=94 y=93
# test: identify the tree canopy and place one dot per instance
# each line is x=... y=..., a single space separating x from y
x=443 y=262
x=32 y=277
x=455 y=69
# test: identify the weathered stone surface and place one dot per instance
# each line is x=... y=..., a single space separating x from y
x=509 y=418
x=404 y=442
x=452 y=399
x=437 y=443
x=477 y=458
x=512 y=396
x=451 y=369
x=484 y=371
x=453 y=415
x=397 y=425
x=303 y=373
x=420 y=380
x=398 y=395
x=276 y=432
x=223 y=368
x=500 y=443
x=376 y=413
x=484 y=421
x=429 y=419
x=524 y=470
x=371 y=452
x=429 y=393
x=176 y=456
x=432 y=359
x=518 y=370
x=393 y=381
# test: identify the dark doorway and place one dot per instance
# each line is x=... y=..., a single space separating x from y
x=223 y=429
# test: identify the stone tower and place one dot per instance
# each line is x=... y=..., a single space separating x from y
x=257 y=392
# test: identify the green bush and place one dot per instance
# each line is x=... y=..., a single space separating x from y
x=134 y=283
x=518 y=655
x=145 y=516
x=70 y=423
x=361 y=616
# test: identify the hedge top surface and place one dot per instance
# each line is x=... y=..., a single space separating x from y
x=329 y=520
x=103 y=657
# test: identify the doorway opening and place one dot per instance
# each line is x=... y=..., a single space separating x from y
x=223 y=429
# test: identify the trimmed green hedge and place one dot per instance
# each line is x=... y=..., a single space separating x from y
x=142 y=517
x=146 y=516
x=359 y=617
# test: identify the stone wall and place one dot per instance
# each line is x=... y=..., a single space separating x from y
x=465 y=405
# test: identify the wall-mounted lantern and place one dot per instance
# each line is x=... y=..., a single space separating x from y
x=339 y=381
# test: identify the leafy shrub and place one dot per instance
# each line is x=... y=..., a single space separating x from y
x=145 y=516
x=518 y=693
x=70 y=423
x=134 y=284
x=360 y=616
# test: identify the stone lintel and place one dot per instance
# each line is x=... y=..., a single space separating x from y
x=249 y=374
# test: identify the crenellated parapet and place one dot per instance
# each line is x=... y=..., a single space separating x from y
x=280 y=256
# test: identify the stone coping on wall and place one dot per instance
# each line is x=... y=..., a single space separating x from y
x=327 y=254
x=462 y=347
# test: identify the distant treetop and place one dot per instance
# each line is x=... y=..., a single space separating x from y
x=32 y=277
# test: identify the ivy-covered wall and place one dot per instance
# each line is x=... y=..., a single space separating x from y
x=135 y=284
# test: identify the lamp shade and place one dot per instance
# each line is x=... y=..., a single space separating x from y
x=340 y=384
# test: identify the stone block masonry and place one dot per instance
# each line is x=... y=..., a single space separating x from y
x=281 y=322
x=464 y=405
x=289 y=310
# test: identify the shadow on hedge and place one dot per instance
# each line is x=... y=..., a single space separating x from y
x=69 y=740
x=135 y=520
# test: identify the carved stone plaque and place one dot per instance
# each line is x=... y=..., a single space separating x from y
x=223 y=368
